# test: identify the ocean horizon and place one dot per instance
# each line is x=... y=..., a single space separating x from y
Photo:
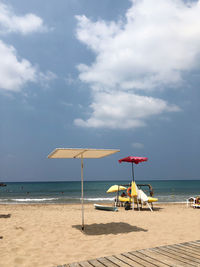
x=63 y=192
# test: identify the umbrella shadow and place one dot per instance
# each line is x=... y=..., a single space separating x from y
x=157 y=208
x=147 y=209
x=109 y=228
x=5 y=216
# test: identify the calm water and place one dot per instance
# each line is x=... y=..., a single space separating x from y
x=94 y=191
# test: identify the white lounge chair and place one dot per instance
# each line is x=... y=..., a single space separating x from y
x=143 y=198
x=190 y=201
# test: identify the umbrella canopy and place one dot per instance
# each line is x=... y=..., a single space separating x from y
x=88 y=153
x=81 y=153
x=116 y=188
x=135 y=160
x=132 y=159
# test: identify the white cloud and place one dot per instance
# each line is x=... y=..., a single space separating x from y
x=14 y=73
x=159 y=40
x=150 y=49
x=123 y=110
x=28 y=23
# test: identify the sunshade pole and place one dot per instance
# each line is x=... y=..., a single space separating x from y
x=82 y=192
x=117 y=196
x=133 y=172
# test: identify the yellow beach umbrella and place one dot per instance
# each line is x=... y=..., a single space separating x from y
x=134 y=192
x=116 y=188
x=134 y=189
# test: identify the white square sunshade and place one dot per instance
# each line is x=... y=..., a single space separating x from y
x=81 y=153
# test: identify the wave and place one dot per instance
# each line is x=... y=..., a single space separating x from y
x=99 y=199
x=33 y=199
x=26 y=200
x=54 y=200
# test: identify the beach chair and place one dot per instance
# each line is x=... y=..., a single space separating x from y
x=190 y=201
x=143 y=199
x=193 y=201
x=197 y=203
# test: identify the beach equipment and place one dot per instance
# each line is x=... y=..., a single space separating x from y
x=141 y=198
x=116 y=188
x=81 y=153
x=128 y=199
x=134 y=188
x=190 y=201
x=107 y=208
x=134 y=193
x=135 y=160
x=194 y=202
x=196 y=206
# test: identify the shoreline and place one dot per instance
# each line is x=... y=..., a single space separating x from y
x=85 y=203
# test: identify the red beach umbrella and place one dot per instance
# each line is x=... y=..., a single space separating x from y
x=132 y=159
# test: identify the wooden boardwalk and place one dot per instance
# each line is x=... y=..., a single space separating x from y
x=183 y=254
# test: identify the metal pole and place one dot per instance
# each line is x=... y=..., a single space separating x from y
x=133 y=171
x=82 y=192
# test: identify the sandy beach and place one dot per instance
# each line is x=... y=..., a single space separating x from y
x=50 y=235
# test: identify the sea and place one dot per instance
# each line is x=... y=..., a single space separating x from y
x=94 y=191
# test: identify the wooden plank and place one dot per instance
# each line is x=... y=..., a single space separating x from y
x=85 y=264
x=117 y=261
x=174 y=256
x=134 y=256
x=158 y=258
x=147 y=261
x=196 y=243
x=173 y=260
x=75 y=264
x=188 y=250
x=183 y=254
x=96 y=263
x=177 y=255
x=191 y=245
x=129 y=261
x=106 y=262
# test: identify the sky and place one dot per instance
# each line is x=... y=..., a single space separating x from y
x=99 y=74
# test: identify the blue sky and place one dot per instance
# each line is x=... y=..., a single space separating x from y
x=99 y=74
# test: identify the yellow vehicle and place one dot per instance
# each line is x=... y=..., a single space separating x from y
x=128 y=199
